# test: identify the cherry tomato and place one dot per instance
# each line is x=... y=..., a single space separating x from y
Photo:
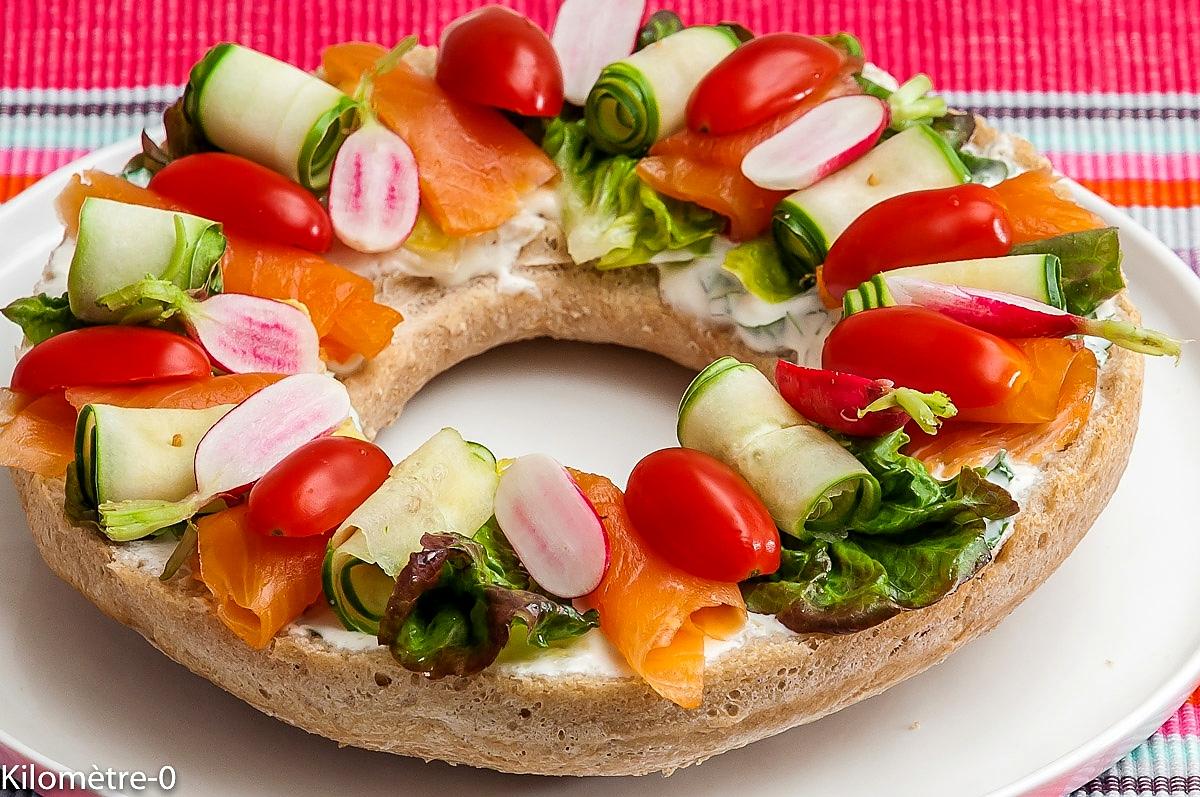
x=116 y=355
x=957 y=223
x=700 y=516
x=495 y=56
x=921 y=349
x=316 y=487
x=248 y=199
x=760 y=80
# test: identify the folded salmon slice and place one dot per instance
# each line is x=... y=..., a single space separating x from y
x=656 y=615
x=1039 y=206
x=37 y=433
x=707 y=169
x=260 y=583
x=475 y=165
x=184 y=394
x=960 y=444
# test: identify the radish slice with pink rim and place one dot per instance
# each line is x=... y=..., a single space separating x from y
x=1013 y=316
x=241 y=334
x=590 y=35
x=832 y=135
x=239 y=449
x=552 y=526
x=374 y=195
x=248 y=334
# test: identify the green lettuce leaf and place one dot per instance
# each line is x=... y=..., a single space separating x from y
x=927 y=538
x=42 y=317
x=759 y=268
x=1091 y=266
x=913 y=498
x=454 y=608
x=612 y=217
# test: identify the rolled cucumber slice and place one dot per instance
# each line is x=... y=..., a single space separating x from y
x=807 y=222
x=269 y=111
x=119 y=244
x=130 y=454
x=643 y=98
x=806 y=479
x=357 y=591
x=1037 y=277
x=446 y=485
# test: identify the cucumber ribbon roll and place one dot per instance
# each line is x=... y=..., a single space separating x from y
x=119 y=244
x=810 y=483
x=643 y=98
x=270 y=112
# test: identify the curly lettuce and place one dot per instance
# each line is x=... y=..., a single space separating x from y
x=927 y=538
x=458 y=600
x=611 y=217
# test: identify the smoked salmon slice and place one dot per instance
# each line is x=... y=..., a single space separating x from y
x=656 y=615
x=37 y=434
x=1052 y=363
x=341 y=303
x=187 y=394
x=707 y=169
x=960 y=444
x=259 y=583
x=474 y=165
x=1039 y=207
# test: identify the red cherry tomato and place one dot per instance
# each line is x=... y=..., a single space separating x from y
x=316 y=487
x=116 y=355
x=921 y=349
x=497 y=57
x=957 y=223
x=248 y=199
x=701 y=516
x=760 y=80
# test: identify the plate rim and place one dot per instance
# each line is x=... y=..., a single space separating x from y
x=1072 y=769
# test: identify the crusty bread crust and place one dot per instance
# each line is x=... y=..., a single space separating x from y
x=573 y=724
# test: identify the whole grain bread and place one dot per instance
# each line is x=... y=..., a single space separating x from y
x=577 y=724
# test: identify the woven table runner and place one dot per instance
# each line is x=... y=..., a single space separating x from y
x=1108 y=89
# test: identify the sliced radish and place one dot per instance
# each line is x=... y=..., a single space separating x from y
x=373 y=191
x=835 y=133
x=247 y=442
x=590 y=35
x=248 y=334
x=258 y=433
x=1013 y=316
x=551 y=526
x=241 y=334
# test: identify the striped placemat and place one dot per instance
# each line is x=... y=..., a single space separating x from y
x=1107 y=88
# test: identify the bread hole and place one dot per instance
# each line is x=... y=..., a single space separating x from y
x=782 y=686
x=383 y=679
x=1043 y=539
x=712 y=712
x=731 y=709
x=736 y=694
x=512 y=726
x=265 y=694
x=561 y=734
x=525 y=713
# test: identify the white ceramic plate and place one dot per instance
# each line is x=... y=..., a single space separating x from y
x=1079 y=674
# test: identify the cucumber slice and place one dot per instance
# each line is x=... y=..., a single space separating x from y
x=269 y=111
x=1036 y=277
x=806 y=479
x=446 y=485
x=807 y=222
x=131 y=454
x=119 y=244
x=643 y=98
x=358 y=591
